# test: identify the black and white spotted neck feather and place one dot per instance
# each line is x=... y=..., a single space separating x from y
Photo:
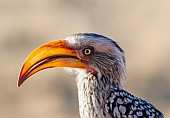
x=101 y=94
x=121 y=104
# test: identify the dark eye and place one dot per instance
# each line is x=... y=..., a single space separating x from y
x=88 y=51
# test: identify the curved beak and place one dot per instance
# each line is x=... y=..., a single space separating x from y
x=49 y=55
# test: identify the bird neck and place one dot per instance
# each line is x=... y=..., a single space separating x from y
x=92 y=93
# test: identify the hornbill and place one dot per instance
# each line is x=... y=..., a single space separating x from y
x=99 y=65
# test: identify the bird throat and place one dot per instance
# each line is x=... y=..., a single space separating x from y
x=92 y=94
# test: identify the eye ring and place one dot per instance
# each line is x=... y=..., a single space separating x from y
x=88 y=51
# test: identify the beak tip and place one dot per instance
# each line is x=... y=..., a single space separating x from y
x=18 y=86
x=19 y=82
x=21 y=79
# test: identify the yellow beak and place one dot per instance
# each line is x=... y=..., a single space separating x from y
x=49 y=55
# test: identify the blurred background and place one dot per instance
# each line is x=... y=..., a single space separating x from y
x=142 y=28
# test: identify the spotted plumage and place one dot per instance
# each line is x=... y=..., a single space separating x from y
x=121 y=104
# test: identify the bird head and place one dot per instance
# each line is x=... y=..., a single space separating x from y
x=85 y=52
